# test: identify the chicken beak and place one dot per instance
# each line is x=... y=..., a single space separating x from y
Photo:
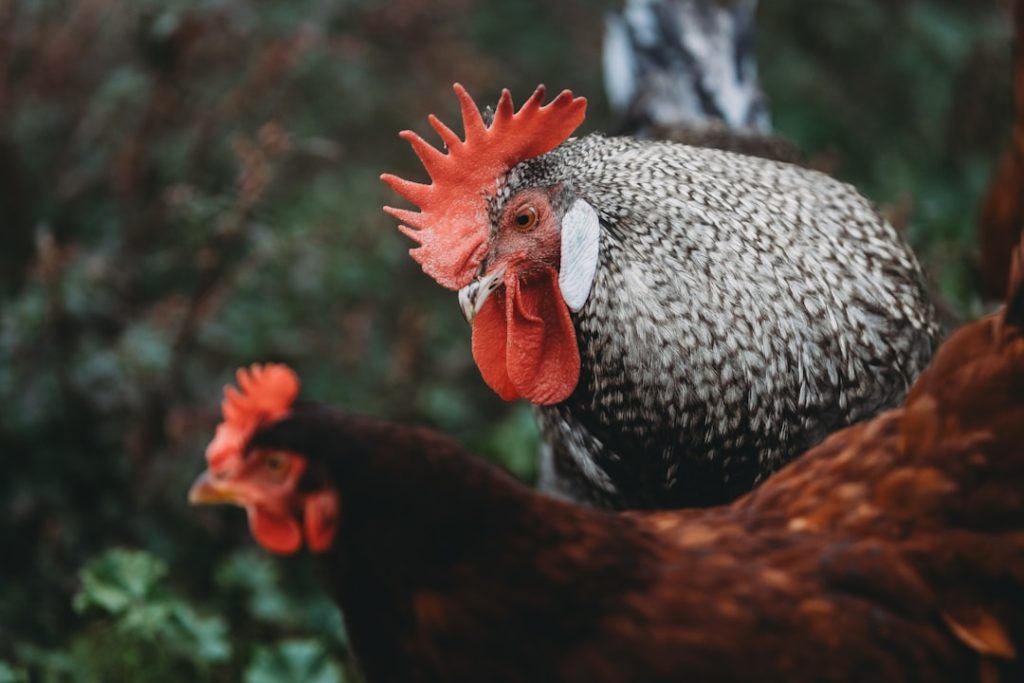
x=206 y=490
x=473 y=296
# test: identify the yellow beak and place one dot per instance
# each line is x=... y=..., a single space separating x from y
x=208 y=491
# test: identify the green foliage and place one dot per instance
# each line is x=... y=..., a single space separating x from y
x=190 y=186
x=126 y=586
x=135 y=626
x=9 y=674
x=256 y=578
x=120 y=581
x=293 y=661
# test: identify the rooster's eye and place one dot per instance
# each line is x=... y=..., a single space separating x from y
x=526 y=218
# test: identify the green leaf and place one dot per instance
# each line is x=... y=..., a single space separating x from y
x=205 y=637
x=271 y=600
x=47 y=666
x=9 y=674
x=126 y=584
x=293 y=661
x=118 y=578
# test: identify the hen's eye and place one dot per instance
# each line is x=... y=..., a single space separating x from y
x=526 y=218
x=275 y=462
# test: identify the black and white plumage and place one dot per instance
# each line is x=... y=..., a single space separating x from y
x=685 y=319
x=684 y=63
x=686 y=71
x=741 y=310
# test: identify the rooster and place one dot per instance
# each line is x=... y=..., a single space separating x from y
x=893 y=551
x=685 y=320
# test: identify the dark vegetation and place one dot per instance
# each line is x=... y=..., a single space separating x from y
x=187 y=186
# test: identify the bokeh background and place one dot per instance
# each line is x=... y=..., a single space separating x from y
x=187 y=186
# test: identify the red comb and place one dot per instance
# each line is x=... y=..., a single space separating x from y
x=267 y=393
x=451 y=226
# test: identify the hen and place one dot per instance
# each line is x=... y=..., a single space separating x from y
x=894 y=551
x=1001 y=222
x=685 y=320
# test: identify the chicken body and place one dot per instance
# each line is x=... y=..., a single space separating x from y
x=1001 y=222
x=685 y=320
x=894 y=551
x=741 y=310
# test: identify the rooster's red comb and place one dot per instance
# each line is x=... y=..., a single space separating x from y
x=451 y=226
x=265 y=393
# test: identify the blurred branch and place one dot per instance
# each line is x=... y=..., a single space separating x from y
x=270 y=65
x=151 y=435
x=216 y=259
x=15 y=216
x=6 y=31
x=16 y=240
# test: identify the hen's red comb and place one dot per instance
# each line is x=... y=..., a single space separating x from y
x=451 y=226
x=267 y=393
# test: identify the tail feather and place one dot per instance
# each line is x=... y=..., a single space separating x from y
x=684 y=62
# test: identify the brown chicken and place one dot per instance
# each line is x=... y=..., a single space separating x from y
x=1001 y=222
x=894 y=551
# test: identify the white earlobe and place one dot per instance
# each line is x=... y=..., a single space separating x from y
x=581 y=239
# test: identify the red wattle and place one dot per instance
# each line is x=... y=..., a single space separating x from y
x=277 y=533
x=320 y=518
x=531 y=350
x=489 y=342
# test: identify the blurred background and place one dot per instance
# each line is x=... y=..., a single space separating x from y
x=187 y=186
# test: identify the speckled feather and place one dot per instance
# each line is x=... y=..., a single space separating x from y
x=742 y=310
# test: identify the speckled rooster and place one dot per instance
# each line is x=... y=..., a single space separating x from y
x=685 y=320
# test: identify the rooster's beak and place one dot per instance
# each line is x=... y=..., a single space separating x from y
x=473 y=296
x=206 y=490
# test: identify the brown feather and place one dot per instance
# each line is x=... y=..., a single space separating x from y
x=893 y=551
x=1001 y=221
